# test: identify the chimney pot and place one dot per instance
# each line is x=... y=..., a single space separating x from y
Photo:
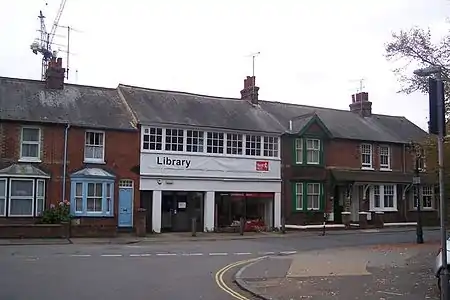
x=361 y=104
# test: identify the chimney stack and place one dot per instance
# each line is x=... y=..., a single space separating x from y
x=54 y=75
x=250 y=91
x=361 y=104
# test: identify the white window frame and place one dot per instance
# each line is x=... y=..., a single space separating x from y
x=38 y=143
x=158 y=133
x=177 y=137
x=4 y=196
x=270 y=146
x=44 y=190
x=235 y=144
x=221 y=137
x=94 y=212
x=314 y=194
x=195 y=139
x=299 y=149
x=363 y=147
x=81 y=197
x=299 y=196
x=421 y=198
x=313 y=150
x=381 y=194
x=12 y=198
x=108 y=198
x=94 y=160
x=385 y=167
x=250 y=141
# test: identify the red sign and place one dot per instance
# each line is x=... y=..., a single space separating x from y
x=262 y=166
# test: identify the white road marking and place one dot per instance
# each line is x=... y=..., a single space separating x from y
x=135 y=255
x=390 y=293
x=242 y=253
x=81 y=255
x=267 y=253
x=218 y=254
x=166 y=254
x=192 y=254
x=111 y=255
x=288 y=252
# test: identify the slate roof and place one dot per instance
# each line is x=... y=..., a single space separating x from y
x=178 y=108
x=26 y=170
x=348 y=125
x=93 y=172
x=85 y=106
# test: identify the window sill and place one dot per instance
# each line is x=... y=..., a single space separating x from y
x=93 y=215
x=367 y=168
x=30 y=160
x=19 y=216
x=384 y=210
x=422 y=209
x=385 y=170
x=94 y=161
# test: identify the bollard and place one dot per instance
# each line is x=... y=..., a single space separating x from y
x=194 y=226
x=241 y=226
x=283 y=225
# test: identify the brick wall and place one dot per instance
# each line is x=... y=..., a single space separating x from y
x=121 y=157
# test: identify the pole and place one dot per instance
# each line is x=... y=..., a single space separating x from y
x=441 y=123
x=419 y=231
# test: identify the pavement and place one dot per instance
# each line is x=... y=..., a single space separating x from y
x=395 y=271
x=152 y=270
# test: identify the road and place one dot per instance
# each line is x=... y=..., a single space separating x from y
x=184 y=270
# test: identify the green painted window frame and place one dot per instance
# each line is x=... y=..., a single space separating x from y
x=300 y=145
x=300 y=189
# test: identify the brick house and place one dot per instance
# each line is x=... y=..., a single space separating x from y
x=352 y=162
x=62 y=141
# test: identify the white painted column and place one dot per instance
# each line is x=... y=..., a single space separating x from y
x=277 y=210
x=209 y=212
x=156 y=211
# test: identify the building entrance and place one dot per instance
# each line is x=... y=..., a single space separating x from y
x=178 y=209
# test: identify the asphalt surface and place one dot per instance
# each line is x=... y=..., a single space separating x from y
x=152 y=271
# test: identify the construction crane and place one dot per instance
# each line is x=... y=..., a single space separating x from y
x=43 y=45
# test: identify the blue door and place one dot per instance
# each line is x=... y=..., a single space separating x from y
x=125 y=207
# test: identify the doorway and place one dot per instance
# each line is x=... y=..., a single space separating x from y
x=125 y=218
x=178 y=209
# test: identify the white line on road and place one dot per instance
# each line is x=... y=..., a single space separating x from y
x=81 y=255
x=267 y=253
x=288 y=252
x=242 y=253
x=390 y=293
x=218 y=254
x=136 y=255
x=166 y=254
x=192 y=254
x=111 y=255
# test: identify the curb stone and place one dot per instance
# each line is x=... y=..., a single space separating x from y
x=244 y=286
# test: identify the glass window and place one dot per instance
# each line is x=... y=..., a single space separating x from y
x=299 y=196
x=253 y=145
x=366 y=155
x=214 y=142
x=313 y=190
x=152 y=139
x=312 y=151
x=30 y=143
x=22 y=197
x=94 y=146
x=234 y=143
x=299 y=151
x=94 y=197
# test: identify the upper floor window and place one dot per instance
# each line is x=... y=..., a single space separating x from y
x=211 y=142
x=152 y=139
x=234 y=143
x=214 y=142
x=194 y=141
x=270 y=145
x=253 y=145
x=385 y=157
x=366 y=156
x=30 y=143
x=94 y=147
x=421 y=160
x=383 y=197
x=299 y=151
x=174 y=140
x=312 y=151
x=426 y=196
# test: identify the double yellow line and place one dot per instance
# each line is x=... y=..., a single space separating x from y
x=221 y=283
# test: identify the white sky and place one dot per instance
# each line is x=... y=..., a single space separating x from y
x=312 y=52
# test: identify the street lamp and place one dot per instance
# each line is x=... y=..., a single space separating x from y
x=418 y=150
x=437 y=71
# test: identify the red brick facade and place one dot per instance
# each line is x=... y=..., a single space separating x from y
x=121 y=159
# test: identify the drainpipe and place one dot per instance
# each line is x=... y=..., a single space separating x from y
x=66 y=134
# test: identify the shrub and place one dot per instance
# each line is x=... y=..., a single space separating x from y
x=57 y=214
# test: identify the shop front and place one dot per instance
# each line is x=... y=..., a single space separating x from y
x=214 y=190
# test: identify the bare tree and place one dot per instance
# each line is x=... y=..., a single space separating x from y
x=415 y=48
